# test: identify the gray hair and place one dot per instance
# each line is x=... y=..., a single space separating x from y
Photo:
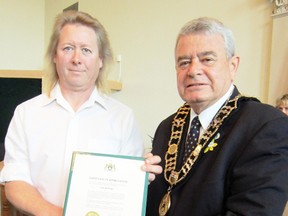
x=209 y=26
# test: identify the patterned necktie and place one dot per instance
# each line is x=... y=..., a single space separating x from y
x=192 y=137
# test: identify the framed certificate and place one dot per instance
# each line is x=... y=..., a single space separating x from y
x=106 y=185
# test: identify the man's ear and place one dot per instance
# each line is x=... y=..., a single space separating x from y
x=101 y=63
x=233 y=65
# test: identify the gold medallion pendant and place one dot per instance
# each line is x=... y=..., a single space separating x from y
x=165 y=204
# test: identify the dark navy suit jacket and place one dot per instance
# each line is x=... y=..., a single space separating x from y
x=246 y=174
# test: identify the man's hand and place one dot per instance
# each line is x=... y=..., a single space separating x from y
x=151 y=166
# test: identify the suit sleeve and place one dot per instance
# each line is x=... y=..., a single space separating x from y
x=260 y=174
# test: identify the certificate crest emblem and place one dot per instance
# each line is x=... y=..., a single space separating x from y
x=110 y=167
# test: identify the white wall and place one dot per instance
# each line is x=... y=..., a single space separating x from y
x=22 y=34
x=144 y=33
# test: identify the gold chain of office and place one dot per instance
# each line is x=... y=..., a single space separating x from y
x=171 y=175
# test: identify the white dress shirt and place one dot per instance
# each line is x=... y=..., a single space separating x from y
x=207 y=115
x=45 y=131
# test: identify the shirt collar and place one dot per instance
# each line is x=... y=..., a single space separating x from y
x=56 y=95
x=97 y=97
x=206 y=116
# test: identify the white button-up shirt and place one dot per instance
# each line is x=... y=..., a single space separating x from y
x=44 y=132
x=207 y=115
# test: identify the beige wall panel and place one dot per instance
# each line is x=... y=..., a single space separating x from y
x=278 y=84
